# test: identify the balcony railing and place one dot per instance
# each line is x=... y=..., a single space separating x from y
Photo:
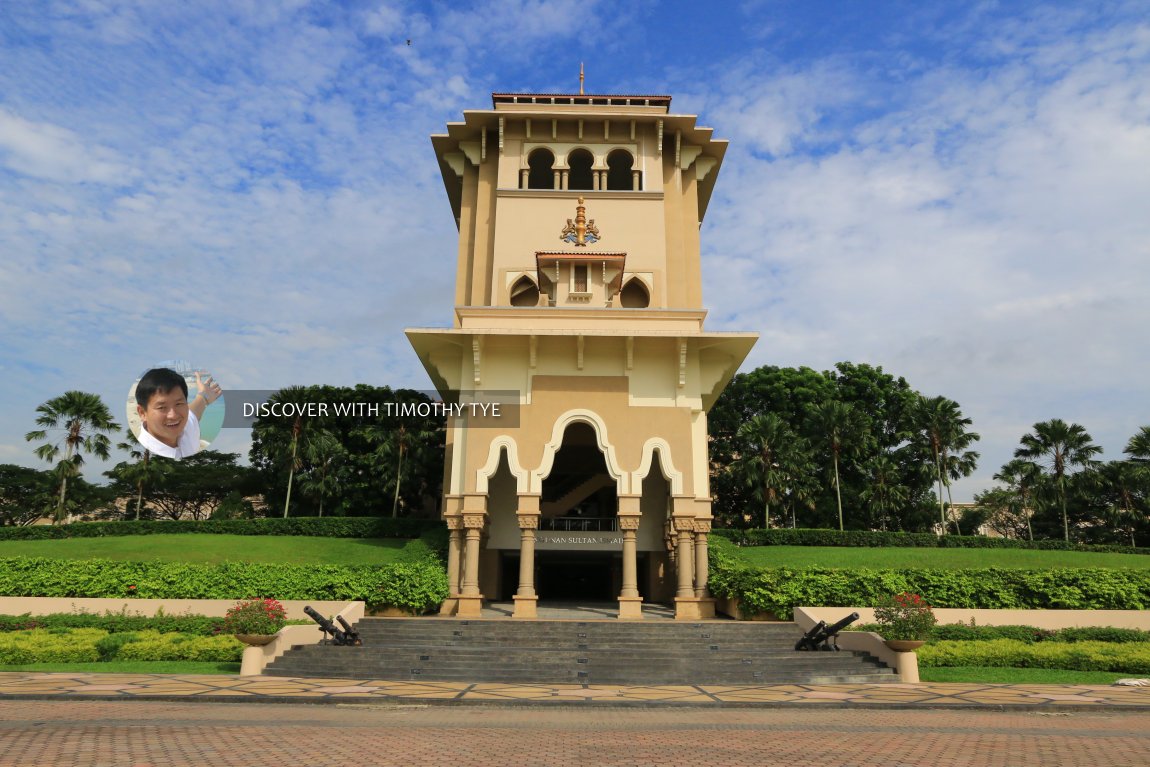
x=580 y=524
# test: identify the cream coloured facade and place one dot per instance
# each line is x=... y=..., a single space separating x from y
x=578 y=294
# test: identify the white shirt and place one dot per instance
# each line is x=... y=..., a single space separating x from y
x=188 y=443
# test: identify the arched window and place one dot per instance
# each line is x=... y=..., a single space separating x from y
x=580 y=177
x=541 y=175
x=524 y=292
x=634 y=295
x=619 y=165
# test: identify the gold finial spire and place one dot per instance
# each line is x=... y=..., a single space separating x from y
x=580 y=78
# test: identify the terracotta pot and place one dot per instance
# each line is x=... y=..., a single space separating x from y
x=256 y=640
x=904 y=645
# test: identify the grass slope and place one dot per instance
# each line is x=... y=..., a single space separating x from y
x=213 y=549
x=880 y=558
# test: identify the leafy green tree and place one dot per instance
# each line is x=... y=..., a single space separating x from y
x=1059 y=447
x=74 y=423
x=194 y=487
x=26 y=494
x=843 y=431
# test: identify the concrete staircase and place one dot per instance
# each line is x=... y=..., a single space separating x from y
x=580 y=652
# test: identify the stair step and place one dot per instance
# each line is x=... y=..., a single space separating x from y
x=579 y=652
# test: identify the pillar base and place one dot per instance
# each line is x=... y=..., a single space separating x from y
x=469 y=606
x=694 y=608
x=630 y=608
x=449 y=606
x=252 y=663
x=525 y=607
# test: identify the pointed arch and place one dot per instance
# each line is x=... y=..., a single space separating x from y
x=592 y=419
x=635 y=294
x=524 y=292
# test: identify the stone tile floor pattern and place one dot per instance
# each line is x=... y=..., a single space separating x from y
x=16 y=685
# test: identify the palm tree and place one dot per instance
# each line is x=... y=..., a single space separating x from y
x=1022 y=479
x=884 y=492
x=845 y=433
x=1138 y=448
x=1120 y=486
x=325 y=454
x=404 y=441
x=86 y=423
x=942 y=429
x=143 y=471
x=767 y=437
x=1059 y=446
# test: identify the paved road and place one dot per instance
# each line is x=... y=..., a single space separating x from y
x=157 y=734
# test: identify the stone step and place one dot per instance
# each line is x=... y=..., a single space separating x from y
x=579 y=652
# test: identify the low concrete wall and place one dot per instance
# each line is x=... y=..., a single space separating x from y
x=906 y=663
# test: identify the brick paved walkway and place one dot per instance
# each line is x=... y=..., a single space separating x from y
x=134 y=733
x=15 y=685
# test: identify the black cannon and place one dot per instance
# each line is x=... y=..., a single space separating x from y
x=332 y=635
x=819 y=637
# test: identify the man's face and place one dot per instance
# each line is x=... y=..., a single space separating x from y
x=165 y=415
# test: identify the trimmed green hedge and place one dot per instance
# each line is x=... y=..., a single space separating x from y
x=779 y=590
x=197 y=625
x=416 y=583
x=875 y=539
x=327 y=527
x=961 y=632
x=1130 y=658
x=85 y=645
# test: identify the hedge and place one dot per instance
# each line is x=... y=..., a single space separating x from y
x=779 y=590
x=197 y=625
x=962 y=632
x=875 y=539
x=85 y=645
x=327 y=527
x=417 y=582
x=1011 y=653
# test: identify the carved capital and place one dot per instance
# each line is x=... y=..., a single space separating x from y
x=629 y=522
x=702 y=525
x=528 y=521
x=474 y=521
x=454 y=523
x=686 y=525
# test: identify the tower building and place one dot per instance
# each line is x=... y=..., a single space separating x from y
x=579 y=291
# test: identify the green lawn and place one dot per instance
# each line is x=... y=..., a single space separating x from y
x=987 y=675
x=189 y=547
x=878 y=558
x=131 y=667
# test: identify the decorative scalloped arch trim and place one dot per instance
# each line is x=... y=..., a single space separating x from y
x=484 y=474
x=666 y=465
x=592 y=419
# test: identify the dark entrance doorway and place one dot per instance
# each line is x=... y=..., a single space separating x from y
x=574 y=577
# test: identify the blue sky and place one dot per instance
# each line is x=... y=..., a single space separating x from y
x=957 y=191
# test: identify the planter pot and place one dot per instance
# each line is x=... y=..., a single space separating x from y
x=256 y=640
x=904 y=645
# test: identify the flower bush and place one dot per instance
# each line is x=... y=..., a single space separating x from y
x=904 y=616
x=255 y=616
